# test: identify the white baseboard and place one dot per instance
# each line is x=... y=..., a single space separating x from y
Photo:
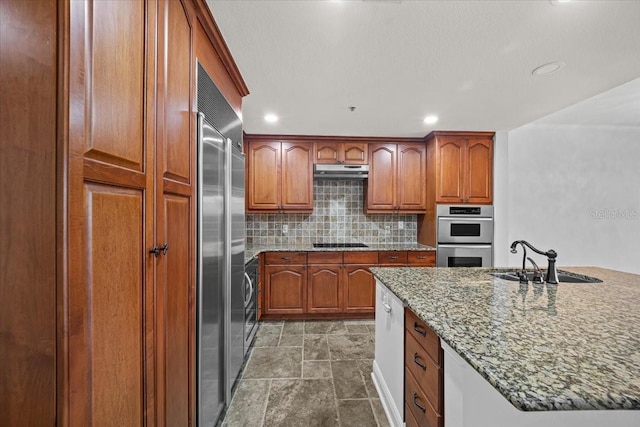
x=393 y=414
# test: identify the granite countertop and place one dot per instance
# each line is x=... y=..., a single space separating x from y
x=544 y=347
x=252 y=251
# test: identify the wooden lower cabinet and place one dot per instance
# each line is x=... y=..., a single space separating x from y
x=326 y=284
x=359 y=289
x=285 y=289
x=324 y=289
x=424 y=374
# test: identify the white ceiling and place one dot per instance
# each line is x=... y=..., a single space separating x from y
x=469 y=62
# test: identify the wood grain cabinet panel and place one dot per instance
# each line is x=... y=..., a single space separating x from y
x=263 y=175
x=326 y=152
x=397 y=178
x=451 y=159
x=107 y=315
x=176 y=281
x=411 y=183
x=297 y=176
x=359 y=289
x=175 y=61
x=356 y=153
x=464 y=167
x=349 y=153
x=324 y=289
x=381 y=184
x=285 y=289
x=279 y=176
x=115 y=62
x=479 y=180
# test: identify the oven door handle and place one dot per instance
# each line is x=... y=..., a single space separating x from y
x=465 y=219
x=248 y=299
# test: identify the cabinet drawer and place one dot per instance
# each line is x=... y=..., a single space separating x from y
x=423 y=335
x=324 y=258
x=423 y=258
x=428 y=375
x=285 y=258
x=418 y=404
x=361 y=257
x=393 y=257
x=410 y=420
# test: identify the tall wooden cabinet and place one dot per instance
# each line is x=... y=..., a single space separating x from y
x=112 y=325
x=459 y=171
x=279 y=176
x=463 y=167
x=397 y=178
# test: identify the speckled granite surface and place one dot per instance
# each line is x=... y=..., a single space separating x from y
x=253 y=251
x=548 y=347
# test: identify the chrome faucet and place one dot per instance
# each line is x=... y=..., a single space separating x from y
x=552 y=274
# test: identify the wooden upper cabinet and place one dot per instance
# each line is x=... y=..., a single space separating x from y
x=279 y=176
x=411 y=183
x=464 y=167
x=479 y=179
x=297 y=176
x=450 y=170
x=397 y=178
x=381 y=184
x=263 y=175
x=355 y=153
x=350 y=153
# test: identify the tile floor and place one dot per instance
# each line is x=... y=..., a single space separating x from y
x=309 y=373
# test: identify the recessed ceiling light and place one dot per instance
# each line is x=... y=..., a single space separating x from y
x=271 y=118
x=429 y=120
x=549 y=68
x=557 y=2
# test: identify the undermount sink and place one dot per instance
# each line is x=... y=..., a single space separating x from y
x=563 y=277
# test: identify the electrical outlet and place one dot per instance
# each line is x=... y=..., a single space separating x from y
x=285 y=228
x=400 y=225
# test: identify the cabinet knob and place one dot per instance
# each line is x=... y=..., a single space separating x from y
x=155 y=251
x=164 y=249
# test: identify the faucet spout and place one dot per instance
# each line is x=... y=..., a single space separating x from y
x=552 y=274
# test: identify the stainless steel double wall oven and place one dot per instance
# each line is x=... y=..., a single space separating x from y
x=465 y=236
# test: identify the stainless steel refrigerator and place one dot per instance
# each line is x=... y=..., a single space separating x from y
x=221 y=244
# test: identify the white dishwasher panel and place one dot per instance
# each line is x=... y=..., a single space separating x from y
x=388 y=366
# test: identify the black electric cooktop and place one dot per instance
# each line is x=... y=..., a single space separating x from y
x=340 y=245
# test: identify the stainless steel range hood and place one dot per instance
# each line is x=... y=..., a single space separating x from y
x=321 y=171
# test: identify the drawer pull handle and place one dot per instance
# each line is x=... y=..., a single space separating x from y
x=416 y=359
x=286 y=258
x=392 y=257
x=386 y=307
x=422 y=257
x=415 y=402
x=419 y=330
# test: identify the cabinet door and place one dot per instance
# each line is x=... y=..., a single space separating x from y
x=450 y=170
x=412 y=177
x=324 y=289
x=297 y=176
x=327 y=152
x=355 y=153
x=359 y=289
x=285 y=289
x=111 y=296
x=479 y=179
x=263 y=175
x=381 y=186
x=175 y=193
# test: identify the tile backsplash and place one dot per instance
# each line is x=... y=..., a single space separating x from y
x=338 y=216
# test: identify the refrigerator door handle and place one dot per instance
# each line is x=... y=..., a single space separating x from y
x=251 y=289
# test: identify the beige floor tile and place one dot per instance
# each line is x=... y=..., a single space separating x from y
x=296 y=403
x=356 y=413
x=316 y=369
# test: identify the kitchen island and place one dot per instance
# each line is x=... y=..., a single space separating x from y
x=564 y=348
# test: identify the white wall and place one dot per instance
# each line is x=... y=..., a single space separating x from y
x=575 y=189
